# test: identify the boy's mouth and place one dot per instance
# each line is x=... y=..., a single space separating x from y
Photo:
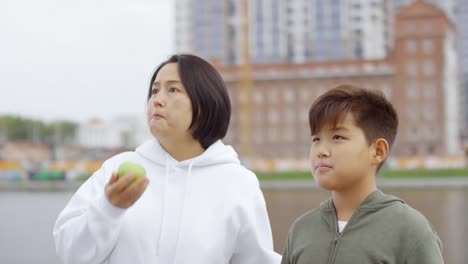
x=322 y=166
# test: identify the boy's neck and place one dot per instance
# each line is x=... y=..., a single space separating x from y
x=347 y=201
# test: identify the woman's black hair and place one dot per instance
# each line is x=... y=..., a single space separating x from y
x=208 y=94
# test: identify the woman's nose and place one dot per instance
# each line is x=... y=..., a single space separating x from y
x=159 y=99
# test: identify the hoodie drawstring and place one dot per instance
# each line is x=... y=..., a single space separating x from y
x=186 y=194
x=163 y=207
x=163 y=204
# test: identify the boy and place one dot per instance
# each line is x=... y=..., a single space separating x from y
x=352 y=131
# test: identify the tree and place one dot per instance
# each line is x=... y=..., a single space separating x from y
x=15 y=128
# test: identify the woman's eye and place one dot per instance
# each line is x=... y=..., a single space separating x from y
x=154 y=91
x=172 y=90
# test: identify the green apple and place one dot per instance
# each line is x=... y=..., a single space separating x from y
x=132 y=167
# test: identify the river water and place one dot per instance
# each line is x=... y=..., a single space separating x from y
x=27 y=217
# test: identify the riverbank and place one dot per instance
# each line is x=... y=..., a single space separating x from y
x=416 y=183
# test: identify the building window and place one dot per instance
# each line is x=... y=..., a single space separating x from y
x=413 y=133
x=429 y=112
x=428 y=46
x=305 y=94
x=290 y=116
x=273 y=96
x=273 y=116
x=412 y=68
x=432 y=133
x=429 y=90
x=376 y=4
x=428 y=68
x=289 y=134
x=410 y=26
x=258 y=116
x=430 y=150
x=411 y=46
x=356 y=19
x=258 y=136
x=428 y=26
x=258 y=97
x=414 y=150
x=412 y=90
x=412 y=113
x=289 y=95
x=273 y=134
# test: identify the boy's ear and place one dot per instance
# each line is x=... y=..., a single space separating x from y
x=380 y=151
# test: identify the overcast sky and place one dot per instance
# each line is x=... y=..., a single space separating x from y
x=74 y=60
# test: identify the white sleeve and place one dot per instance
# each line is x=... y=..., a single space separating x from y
x=254 y=241
x=87 y=229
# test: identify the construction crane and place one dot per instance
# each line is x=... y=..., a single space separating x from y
x=245 y=91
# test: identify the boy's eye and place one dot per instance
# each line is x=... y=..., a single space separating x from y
x=338 y=137
x=315 y=139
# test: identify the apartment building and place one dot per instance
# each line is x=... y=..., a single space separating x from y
x=275 y=31
x=419 y=76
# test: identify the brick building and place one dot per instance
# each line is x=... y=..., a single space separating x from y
x=270 y=119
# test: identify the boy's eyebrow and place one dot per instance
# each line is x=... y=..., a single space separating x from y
x=340 y=129
x=334 y=129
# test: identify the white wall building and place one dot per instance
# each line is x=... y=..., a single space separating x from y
x=123 y=132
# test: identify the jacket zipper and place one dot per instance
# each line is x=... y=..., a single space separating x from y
x=334 y=242
x=338 y=235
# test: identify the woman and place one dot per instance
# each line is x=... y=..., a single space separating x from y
x=197 y=204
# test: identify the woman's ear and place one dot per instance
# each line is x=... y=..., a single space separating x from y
x=380 y=151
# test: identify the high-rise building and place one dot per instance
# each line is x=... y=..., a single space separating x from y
x=294 y=31
x=419 y=76
x=461 y=14
x=201 y=28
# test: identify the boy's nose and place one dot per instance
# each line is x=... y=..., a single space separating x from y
x=322 y=151
x=321 y=154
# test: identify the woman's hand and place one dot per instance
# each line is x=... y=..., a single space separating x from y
x=123 y=192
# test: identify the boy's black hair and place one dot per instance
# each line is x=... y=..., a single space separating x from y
x=373 y=113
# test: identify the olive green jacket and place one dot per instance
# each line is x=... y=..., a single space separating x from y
x=382 y=230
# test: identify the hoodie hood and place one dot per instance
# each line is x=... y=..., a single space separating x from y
x=376 y=200
x=216 y=154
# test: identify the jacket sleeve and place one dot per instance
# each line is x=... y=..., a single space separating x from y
x=285 y=258
x=86 y=230
x=427 y=251
x=254 y=242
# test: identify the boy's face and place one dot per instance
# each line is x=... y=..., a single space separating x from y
x=340 y=156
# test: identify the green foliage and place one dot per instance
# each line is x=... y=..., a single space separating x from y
x=15 y=128
x=387 y=174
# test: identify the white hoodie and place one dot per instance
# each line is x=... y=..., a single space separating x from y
x=206 y=210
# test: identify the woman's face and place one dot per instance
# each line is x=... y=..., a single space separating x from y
x=169 y=110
